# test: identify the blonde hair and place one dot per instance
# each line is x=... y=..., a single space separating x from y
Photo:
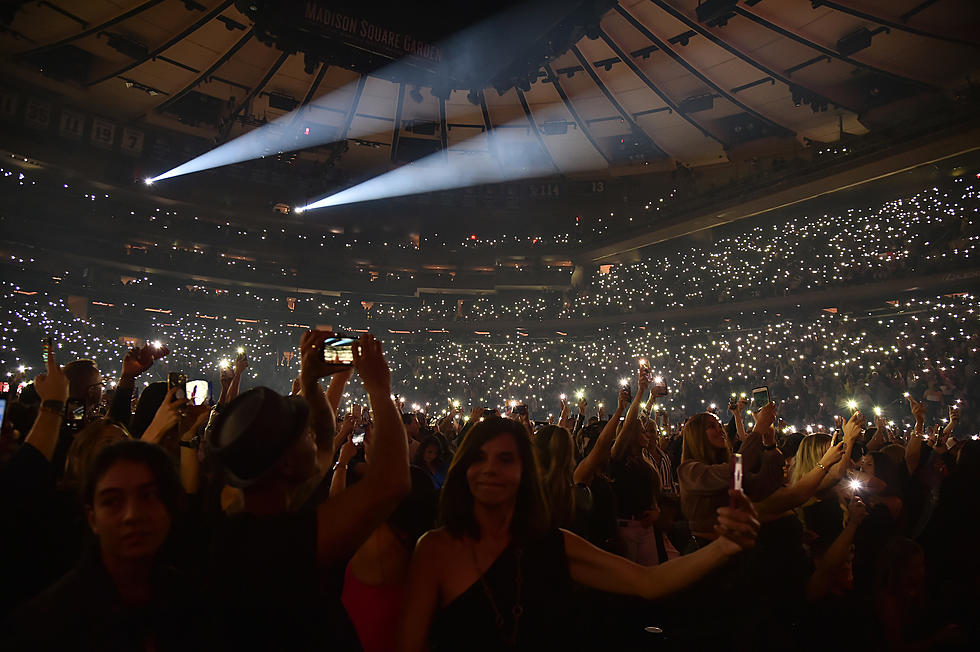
x=811 y=449
x=696 y=445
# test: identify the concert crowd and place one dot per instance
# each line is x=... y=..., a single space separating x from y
x=769 y=481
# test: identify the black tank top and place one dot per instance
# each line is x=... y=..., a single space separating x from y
x=469 y=622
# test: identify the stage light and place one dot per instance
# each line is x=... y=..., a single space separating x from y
x=445 y=170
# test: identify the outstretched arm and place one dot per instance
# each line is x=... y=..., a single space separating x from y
x=601 y=570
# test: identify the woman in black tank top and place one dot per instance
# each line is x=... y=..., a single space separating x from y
x=498 y=576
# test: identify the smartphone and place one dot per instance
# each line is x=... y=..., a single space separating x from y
x=736 y=477
x=520 y=409
x=177 y=379
x=46 y=344
x=75 y=414
x=339 y=349
x=198 y=391
x=760 y=396
x=3 y=408
x=662 y=384
x=732 y=403
x=357 y=437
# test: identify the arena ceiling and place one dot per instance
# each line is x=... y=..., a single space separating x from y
x=651 y=85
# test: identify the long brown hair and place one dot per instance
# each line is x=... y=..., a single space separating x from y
x=556 y=455
x=530 y=519
x=696 y=444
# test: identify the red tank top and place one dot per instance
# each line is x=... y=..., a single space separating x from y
x=374 y=611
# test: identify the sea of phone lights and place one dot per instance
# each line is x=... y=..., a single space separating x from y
x=815 y=364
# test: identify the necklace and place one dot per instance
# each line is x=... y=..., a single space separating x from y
x=517 y=610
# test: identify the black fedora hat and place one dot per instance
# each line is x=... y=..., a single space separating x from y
x=251 y=435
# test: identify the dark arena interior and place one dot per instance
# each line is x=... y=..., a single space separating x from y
x=336 y=325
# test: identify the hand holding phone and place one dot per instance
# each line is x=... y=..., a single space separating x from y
x=761 y=396
x=179 y=380
x=736 y=484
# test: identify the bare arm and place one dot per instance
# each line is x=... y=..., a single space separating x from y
x=189 y=464
x=344 y=522
x=52 y=387
x=834 y=558
x=913 y=450
x=422 y=594
x=338 y=483
x=601 y=570
x=630 y=425
x=335 y=390
x=599 y=455
x=787 y=498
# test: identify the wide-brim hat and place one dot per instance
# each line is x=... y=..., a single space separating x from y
x=254 y=432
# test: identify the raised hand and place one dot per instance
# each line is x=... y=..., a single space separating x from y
x=53 y=384
x=241 y=364
x=347 y=452
x=765 y=417
x=918 y=411
x=854 y=426
x=371 y=366
x=954 y=413
x=857 y=511
x=832 y=456
x=139 y=359
x=311 y=364
x=739 y=526
x=642 y=381
x=227 y=374
x=623 y=401
x=166 y=417
x=476 y=414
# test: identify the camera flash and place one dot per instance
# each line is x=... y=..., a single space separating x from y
x=241 y=349
x=877 y=411
x=855 y=485
x=562 y=396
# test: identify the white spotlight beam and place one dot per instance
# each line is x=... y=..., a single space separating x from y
x=466 y=56
x=441 y=172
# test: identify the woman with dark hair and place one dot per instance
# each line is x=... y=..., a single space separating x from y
x=121 y=595
x=497 y=575
x=429 y=458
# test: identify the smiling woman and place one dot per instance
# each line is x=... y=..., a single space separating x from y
x=497 y=576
